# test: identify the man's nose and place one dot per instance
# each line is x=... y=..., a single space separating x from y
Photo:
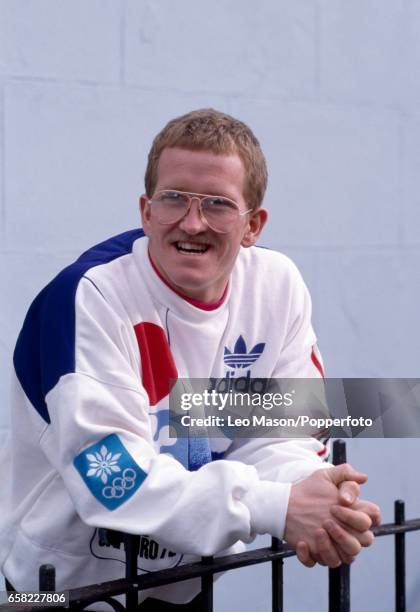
x=193 y=223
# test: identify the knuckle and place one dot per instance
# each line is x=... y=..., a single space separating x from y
x=337 y=534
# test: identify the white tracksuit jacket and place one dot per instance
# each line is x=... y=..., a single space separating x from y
x=90 y=445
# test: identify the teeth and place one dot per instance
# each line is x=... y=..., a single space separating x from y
x=191 y=247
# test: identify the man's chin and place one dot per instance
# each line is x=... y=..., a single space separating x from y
x=188 y=287
x=191 y=287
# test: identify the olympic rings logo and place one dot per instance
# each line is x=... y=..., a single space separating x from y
x=120 y=484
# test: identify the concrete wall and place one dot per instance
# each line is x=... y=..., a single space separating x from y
x=331 y=88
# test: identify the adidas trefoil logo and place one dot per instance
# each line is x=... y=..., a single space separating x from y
x=239 y=358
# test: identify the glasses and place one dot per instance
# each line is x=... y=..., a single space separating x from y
x=218 y=212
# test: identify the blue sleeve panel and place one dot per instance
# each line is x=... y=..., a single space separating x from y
x=45 y=349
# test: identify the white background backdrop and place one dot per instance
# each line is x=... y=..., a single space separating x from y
x=332 y=90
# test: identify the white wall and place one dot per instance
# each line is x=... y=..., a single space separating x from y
x=331 y=88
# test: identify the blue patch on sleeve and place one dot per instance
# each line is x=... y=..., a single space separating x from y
x=109 y=471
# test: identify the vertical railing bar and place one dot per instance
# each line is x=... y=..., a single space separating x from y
x=339 y=590
x=399 y=518
x=207 y=588
x=131 y=547
x=276 y=579
x=339 y=578
x=47 y=577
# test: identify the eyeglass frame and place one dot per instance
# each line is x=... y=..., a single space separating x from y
x=200 y=197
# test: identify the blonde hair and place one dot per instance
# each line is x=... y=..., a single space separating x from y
x=210 y=130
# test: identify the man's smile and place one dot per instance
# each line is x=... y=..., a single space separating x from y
x=189 y=247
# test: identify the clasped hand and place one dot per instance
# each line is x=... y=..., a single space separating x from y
x=326 y=522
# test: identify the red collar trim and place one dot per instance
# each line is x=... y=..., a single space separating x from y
x=197 y=303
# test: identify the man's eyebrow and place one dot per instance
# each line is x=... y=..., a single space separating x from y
x=211 y=192
x=222 y=194
x=174 y=187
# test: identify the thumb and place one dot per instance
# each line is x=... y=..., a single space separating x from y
x=340 y=473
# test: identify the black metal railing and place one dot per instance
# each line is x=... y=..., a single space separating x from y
x=339 y=579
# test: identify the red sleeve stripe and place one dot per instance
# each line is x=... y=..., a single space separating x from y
x=317 y=363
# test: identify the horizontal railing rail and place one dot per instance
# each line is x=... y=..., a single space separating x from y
x=339 y=579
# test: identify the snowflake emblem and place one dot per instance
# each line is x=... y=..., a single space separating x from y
x=102 y=464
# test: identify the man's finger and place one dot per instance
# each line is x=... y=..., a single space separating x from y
x=326 y=552
x=348 y=492
x=359 y=521
x=365 y=538
x=340 y=473
x=303 y=554
x=345 y=541
x=369 y=508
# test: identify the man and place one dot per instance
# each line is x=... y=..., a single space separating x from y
x=191 y=297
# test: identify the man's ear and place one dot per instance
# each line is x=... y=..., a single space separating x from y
x=145 y=213
x=255 y=226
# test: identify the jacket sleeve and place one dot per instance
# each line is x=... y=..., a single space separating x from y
x=289 y=460
x=100 y=441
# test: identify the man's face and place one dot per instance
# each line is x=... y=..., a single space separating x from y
x=201 y=276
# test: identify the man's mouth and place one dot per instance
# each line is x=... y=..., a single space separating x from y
x=191 y=248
